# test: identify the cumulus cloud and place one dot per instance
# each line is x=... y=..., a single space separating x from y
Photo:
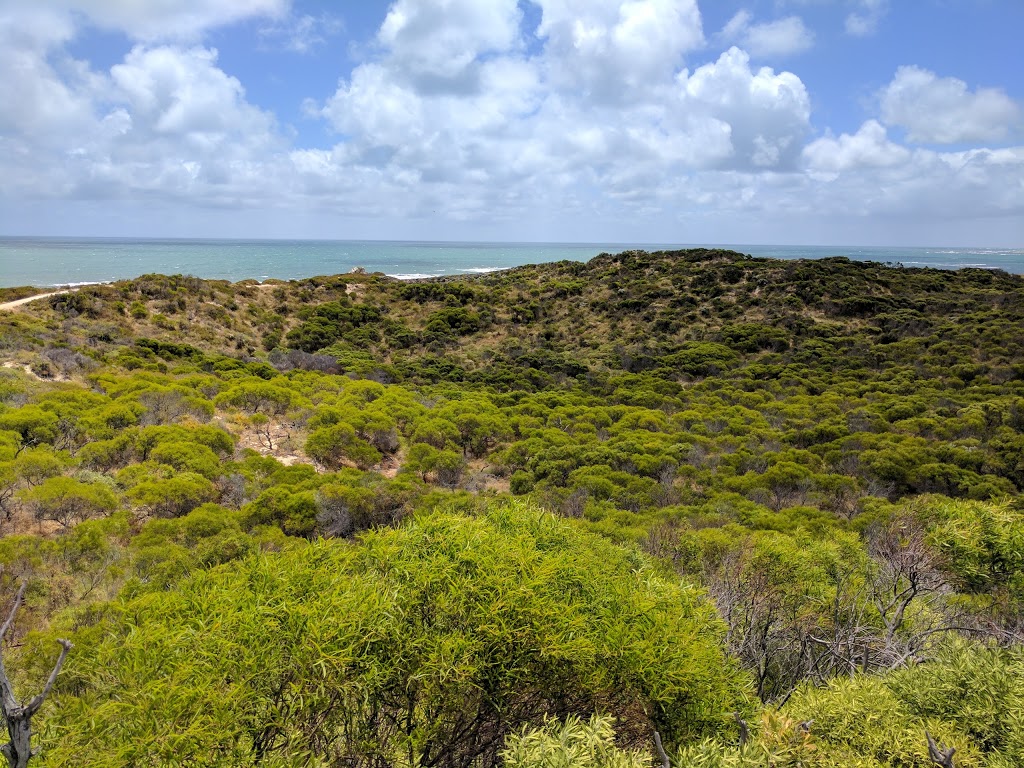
x=182 y=93
x=782 y=37
x=166 y=119
x=613 y=50
x=46 y=95
x=609 y=111
x=926 y=185
x=868 y=148
x=864 y=21
x=504 y=123
x=942 y=110
x=767 y=113
x=444 y=37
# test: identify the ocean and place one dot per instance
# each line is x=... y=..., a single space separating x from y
x=61 y=261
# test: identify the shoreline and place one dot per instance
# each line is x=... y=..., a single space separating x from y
x=51 y=265
x=49 y=289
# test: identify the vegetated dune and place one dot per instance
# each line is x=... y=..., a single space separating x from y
x=689 y=505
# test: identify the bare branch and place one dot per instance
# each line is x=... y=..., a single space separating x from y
x=744 y=729
x=37 y=701
x=665 y=762
x=938 y=755
x=14 y=609
x=18 y=751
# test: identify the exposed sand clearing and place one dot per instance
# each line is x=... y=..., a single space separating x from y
x=12 y=305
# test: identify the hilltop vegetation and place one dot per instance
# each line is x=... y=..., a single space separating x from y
x=300 y=523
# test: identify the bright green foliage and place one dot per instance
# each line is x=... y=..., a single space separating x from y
x=479 y=423
x=436 y=432
x=983 y=542
x=371 y=423
x=332 y=445
x=441 y=466
x=167 y=550
x=32 y=424
x=187 y=457
x=172 y=404
x=104 y=423
x=34 y=465
x=67 y=500
x=137 y=445
x=980 y=690
x=414 y=645
x=701 y=359
x=173 y=496
x=776 y=431
x=294 y=511
x=259 y=397
x=777 y=741
x=342 y=510
x=572 y=744
x=970 y=697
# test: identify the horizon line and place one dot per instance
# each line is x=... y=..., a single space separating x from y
x=582 y=243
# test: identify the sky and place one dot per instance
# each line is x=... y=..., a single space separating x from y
x=813 y=122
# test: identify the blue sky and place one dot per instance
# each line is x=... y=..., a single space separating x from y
x=874 y=122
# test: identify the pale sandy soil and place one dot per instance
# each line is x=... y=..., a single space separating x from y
x=10 y=306
x=28 y=369
x=284 y=449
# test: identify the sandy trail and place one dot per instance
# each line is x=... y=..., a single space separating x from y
x=12 y=305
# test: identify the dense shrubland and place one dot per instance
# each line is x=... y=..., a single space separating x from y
x=300 y=523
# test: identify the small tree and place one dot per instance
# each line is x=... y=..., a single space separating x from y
x=68 y=501
x=19 y=716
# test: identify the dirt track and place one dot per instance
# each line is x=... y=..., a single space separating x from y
x=10 y=306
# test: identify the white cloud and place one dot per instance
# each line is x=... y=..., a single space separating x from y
x=444 y=37
x=38 y=99
x=533 y=128
x=453 y=116
x=372 y=106
x=161 y=19
x=782 y=37
x=165 y=120
x=614 y=51
x=182 y=93
x=925 y=185
x=768 y=113
x=944 y=111
x=868 y=148
x=865 y=20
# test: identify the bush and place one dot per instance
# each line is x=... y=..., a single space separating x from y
x=68 y=501
x=423 y=645
x=572 y=744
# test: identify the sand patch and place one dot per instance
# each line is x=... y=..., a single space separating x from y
x=11 y=306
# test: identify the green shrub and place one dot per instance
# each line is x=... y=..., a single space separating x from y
x=424 y=643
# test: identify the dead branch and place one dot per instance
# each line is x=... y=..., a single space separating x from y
x=665 y=762
x=938 y=755
x=18 y=717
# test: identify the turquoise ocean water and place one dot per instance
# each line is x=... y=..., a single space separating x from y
x=53 y=261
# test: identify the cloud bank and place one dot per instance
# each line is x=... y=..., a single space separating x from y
x=602 y=113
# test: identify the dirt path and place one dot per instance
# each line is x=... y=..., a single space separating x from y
x=10 y=306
